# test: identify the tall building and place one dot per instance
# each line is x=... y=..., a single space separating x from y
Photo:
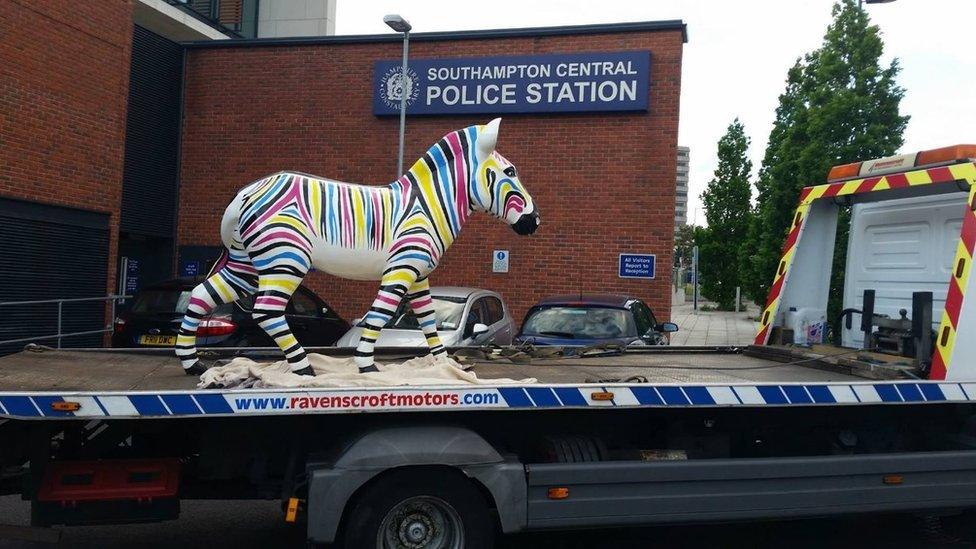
x=681 y=189
x=184 y=20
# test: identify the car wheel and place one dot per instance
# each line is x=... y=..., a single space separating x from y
x=420 y=509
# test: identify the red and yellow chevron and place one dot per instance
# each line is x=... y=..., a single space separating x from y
x=964 y=254
x=945 y=338
x=782 y=270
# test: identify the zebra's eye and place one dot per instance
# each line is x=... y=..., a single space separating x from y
x=490 y=174
x=510 y=171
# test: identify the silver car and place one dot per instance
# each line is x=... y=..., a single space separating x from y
x=465 y=316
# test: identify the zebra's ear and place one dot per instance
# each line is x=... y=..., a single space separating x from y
x=487 y=138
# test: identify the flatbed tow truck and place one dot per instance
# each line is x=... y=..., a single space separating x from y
x=882 y=418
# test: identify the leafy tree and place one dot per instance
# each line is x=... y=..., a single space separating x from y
x=840 y=105
x=727 y=210
x=684 y=241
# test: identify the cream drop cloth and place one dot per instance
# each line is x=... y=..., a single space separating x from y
x=343 y=372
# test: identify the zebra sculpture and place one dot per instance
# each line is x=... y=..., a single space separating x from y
x=279 y=227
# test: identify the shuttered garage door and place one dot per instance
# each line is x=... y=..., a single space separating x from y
x=50 y=252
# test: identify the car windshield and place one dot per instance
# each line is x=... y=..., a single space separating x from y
x=580 y=323
x=161 y=301
x=447 y=309
x=167 y=301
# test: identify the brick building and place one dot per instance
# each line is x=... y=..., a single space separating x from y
x=604 y=181
x=120 y=140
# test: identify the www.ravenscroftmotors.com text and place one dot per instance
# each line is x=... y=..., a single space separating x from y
x=425 y=399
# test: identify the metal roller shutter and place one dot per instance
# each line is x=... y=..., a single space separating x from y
x=51 y=252
x=152 y=134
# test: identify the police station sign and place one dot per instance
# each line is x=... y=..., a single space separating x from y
x=578 y=82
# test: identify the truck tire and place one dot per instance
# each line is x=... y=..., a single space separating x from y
x=419 y=509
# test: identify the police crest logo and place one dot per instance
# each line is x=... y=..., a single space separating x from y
x=393 y=86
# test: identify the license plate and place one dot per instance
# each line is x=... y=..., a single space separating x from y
x=157 y=340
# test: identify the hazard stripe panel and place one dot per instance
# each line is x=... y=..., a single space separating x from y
x=401 y=399
x=946 y=174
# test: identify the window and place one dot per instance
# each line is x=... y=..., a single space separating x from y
x=447 y=309
x=643 y=317
x=477 y=313
x=302 y=303
x=579 y=322
x=494 y=309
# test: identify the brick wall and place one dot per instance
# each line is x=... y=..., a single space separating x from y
x=604 y=183
x=64 y=80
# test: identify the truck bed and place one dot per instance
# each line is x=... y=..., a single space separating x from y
x=128 y=383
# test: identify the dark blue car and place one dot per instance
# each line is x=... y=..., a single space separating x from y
x=590 y=319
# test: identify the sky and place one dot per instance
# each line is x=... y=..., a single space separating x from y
x=737 y=55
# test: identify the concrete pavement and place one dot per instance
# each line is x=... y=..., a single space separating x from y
x=713 y=327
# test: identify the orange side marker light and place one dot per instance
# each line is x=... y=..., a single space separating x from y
x=558 y=493
x=892 y=479
x=291 y=513
x=602 y=395
x=66 y=406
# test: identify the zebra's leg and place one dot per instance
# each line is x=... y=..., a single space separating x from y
x=277 y=281
x=235 y=279
x=423 y=308
x=396 y=280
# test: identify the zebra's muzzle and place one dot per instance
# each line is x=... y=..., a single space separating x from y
x=527 y=224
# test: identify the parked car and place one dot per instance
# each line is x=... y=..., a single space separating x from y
x=154 y=318
x=584 y=319
x=465 y=316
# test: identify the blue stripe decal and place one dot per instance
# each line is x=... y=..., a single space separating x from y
x=44 y=403
x=515 y=397
x=699 y=395
x=101 y=406
x=570 y=396
x=148 y=405
x=213 y=404
x=673 y=395
x=931 y=391
x=181 y=404
x=647 y=395
x=19 y=406
x=821 y=394
x=542 y=396
x=887 y=393
x=772 y=394
x=910 y=392
x=797 y=394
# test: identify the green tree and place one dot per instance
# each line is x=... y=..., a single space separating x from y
x=684 y=241
x=840 y=105
x=727 y=210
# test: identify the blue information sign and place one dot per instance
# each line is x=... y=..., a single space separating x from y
x=131 y=275
x=190 y=268
x=576 y=82
x=636 y=266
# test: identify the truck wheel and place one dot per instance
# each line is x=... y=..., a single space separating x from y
x=420 y=510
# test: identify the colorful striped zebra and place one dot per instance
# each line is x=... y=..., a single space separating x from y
x=279 y=227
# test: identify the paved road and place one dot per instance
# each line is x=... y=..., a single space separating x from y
x=713 y=327
x=216 y=524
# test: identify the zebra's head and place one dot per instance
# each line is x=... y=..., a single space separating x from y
x=496 y=187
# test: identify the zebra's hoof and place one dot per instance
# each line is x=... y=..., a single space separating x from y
x=367 y=369
x=306 y=371
x=195 y=370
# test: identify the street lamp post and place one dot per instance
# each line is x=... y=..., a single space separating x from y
x=399 y=24
x=860 y=3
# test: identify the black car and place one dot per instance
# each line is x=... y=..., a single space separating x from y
x=155 y=314
x=592 y=319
